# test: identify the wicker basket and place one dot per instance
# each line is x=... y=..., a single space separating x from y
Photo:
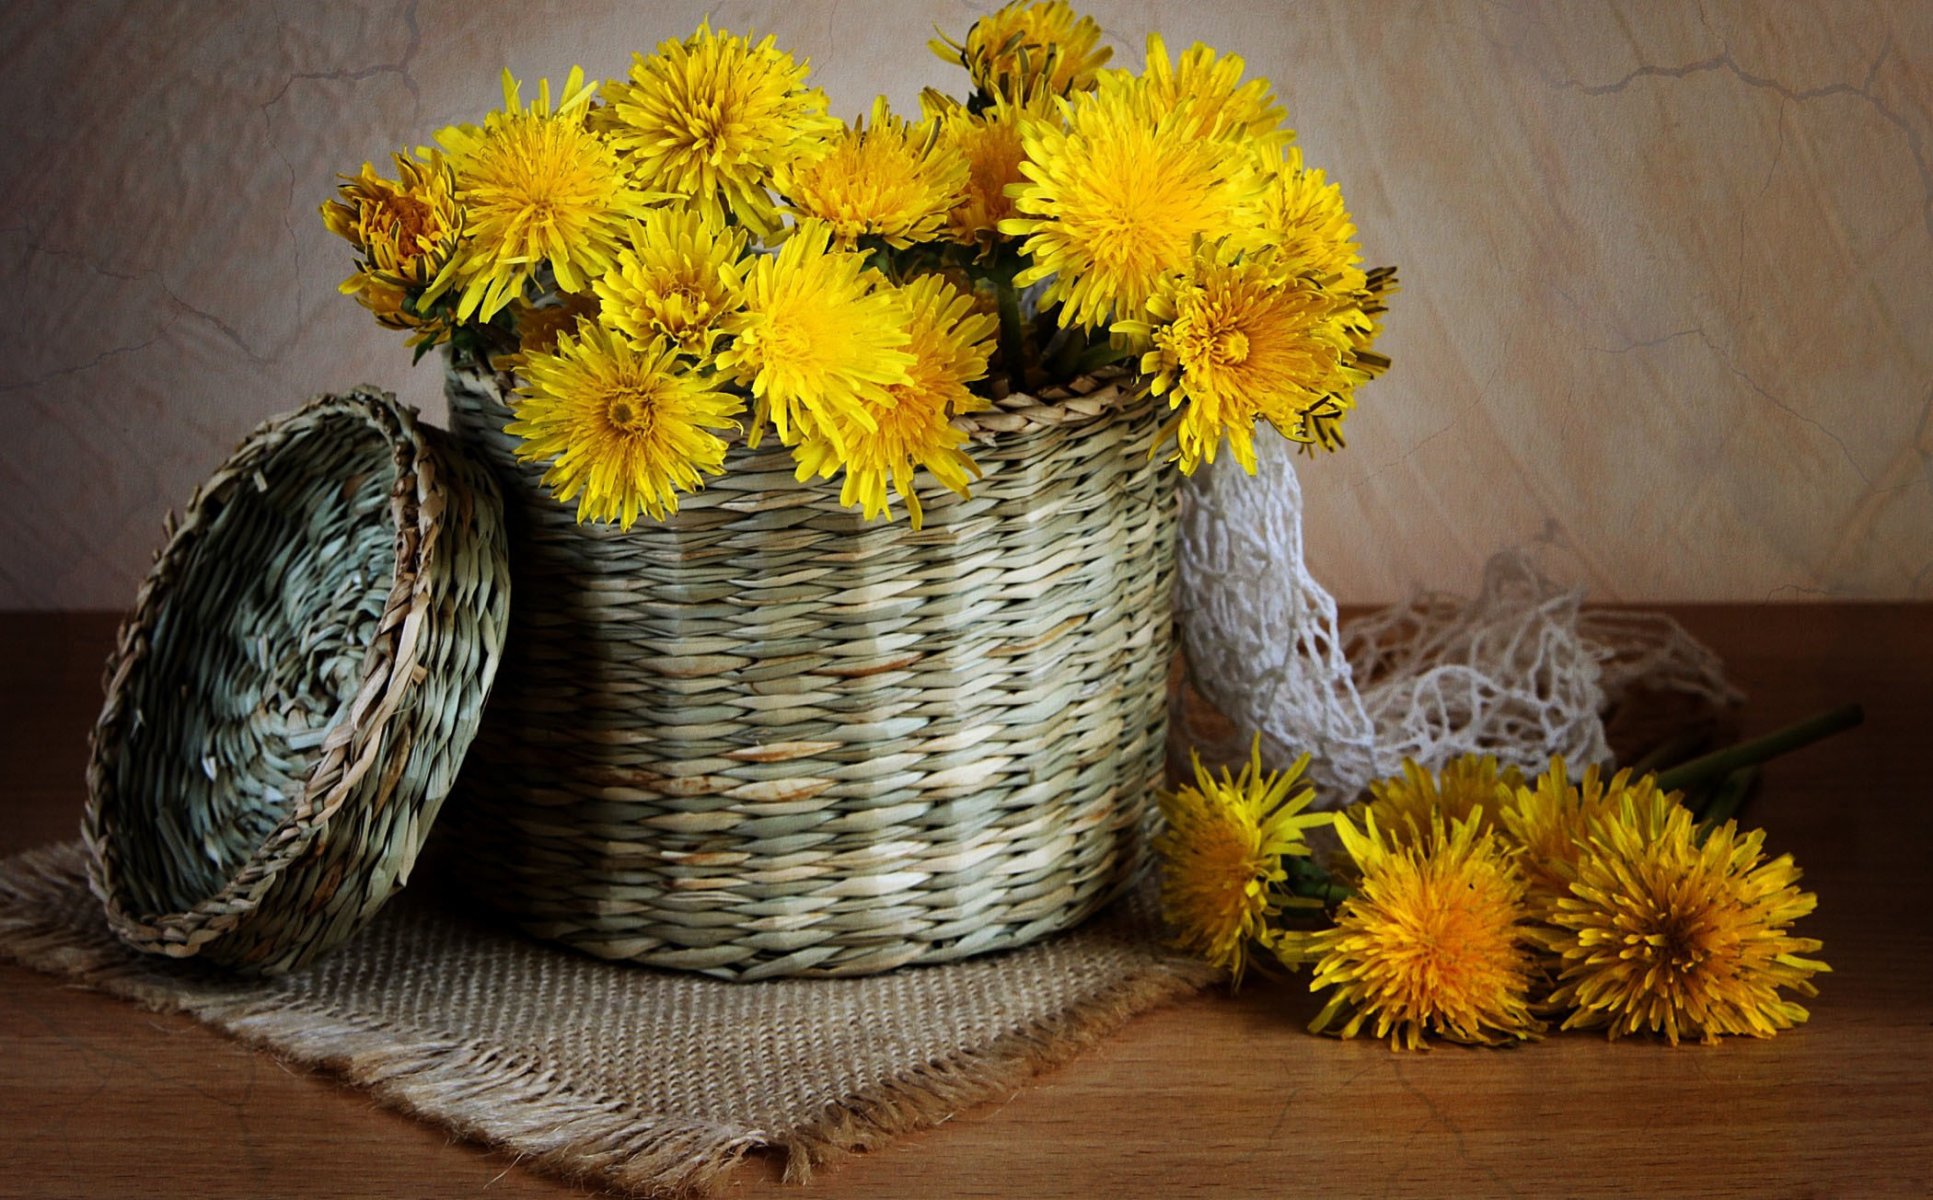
x=769 y=738
x=303 y=670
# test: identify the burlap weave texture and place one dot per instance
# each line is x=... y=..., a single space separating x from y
x=642 y=1081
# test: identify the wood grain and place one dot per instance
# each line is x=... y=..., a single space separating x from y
x=1215 y=1096
x=1665 y=266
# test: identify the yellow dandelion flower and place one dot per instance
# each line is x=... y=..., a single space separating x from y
x=893 y=180
x=538 y=325
x=677 y=279
x=1023 y=48
x=624 y=428
x=1405 y=806
x=1551 y=818
x=1234 y=343
x=1222 y=856
x=1219 y=104
x=1665 y=932
x=1307 y=224
x=1435 y=942
x=911 y=426
x=713 y=117
x=1115 y=203
x=815 y=340
x=539 y=189
x=405 y=231
x=989 y=143
x=1320 y=423
x=979 y=294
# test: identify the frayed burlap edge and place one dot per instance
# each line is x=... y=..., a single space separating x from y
x=518 y=1106
x=928 y=1095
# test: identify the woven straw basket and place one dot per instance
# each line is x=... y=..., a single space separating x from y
x=303 y=670
x=767 y=737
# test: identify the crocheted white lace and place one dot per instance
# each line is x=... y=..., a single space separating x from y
x=1519 y=670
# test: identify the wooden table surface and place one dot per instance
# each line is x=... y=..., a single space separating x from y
x=1212 y=1096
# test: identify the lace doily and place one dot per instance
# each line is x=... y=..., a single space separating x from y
x=1519 y=670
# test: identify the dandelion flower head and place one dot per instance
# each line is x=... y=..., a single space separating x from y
x=1551 y=818
x=816 y=340
x=1307 y=223
x=713 y=117
x=677 y=279
x=1464 y=790
x=623 y=428
x=540 y=324
x=1233 y=343
x=1669 y=932
x=990 y=145
x=892 y=180
x=1114 y=203
x=405 y=231
x=1219 y=105
x=1435 y=941
x=539 y=188
x=1223 y=852
x=911 y=426
x=1025 y=48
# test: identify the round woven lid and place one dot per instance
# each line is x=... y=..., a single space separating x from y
x=289 y=702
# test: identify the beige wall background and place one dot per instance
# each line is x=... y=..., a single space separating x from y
x=1668 y=267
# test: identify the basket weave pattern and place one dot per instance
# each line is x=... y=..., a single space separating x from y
x=769 y=738
x=288 y=702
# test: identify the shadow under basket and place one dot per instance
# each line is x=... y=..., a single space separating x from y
x=767 y=737
x=287 y=705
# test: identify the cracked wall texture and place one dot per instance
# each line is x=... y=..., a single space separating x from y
x=1668 y=268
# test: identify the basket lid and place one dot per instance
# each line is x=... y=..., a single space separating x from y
x=287 y=705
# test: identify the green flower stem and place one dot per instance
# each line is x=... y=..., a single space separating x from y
x=1098 y=356
x=1671 y=752
x=1013 y=334
x=1749 y=754
x=1310 y=881
x=1731 y=793
x=1067 y=347
x=1327 y=891
x=1699 y=796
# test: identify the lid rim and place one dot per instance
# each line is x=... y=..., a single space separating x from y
x=375 y=729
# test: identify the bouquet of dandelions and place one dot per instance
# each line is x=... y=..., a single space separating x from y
x=1471 y=904
x=698 y=251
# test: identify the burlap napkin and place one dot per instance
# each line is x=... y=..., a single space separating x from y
x=642 y=1081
